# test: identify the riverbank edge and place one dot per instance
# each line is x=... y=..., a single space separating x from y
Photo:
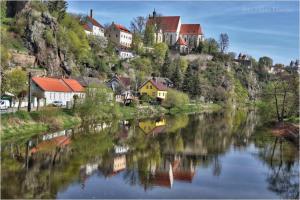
x=22 y=125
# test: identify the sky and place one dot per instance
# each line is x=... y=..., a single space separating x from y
x=256 y=28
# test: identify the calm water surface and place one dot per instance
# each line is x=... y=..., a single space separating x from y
x=220 y=155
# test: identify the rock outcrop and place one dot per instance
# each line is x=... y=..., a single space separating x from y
x=39 y=29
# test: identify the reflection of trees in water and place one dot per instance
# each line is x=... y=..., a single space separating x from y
x=282 y=160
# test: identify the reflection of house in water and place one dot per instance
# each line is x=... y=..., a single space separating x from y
x=49 y=142
x=113 y=165
x=178 y=168
x=153 y=127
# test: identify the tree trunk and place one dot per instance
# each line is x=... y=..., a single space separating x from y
x=19 y=105
x=283 y=105
x=38 y=104
x=276 y=103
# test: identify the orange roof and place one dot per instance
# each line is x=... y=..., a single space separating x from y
x=190 y=29
x=186 y=176
x=94 y=22
x=166 y=23
x=74 y=85
x=162 y=179
x=180 y=41
x=51 y=84
x=58 y=85
x=122 y=28
x=60 y=141
x=86 y=27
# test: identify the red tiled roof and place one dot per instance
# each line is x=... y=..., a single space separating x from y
x=73 y=84
x=162 y=179
x=58 y=85
x=186 y=176
x=158 y=85
x=125 y=80
x=122 y=28
x=190 y=29
x=51 y=84
x=166 y=23
x=94 y=22
x=86 y=27
x=60 y=141
x=180 y=41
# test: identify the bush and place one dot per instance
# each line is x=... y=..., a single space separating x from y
x=23 y=115
x=48 y=36
x=175 y=99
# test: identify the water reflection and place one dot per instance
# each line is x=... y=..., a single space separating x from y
x=155 y=158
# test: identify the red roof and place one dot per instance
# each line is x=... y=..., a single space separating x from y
x=180 y=41
x=125 y=80
x=86 y=27
x=166 y=23
x=57 y=85
x=74 y=85
x=158 y=85
x=122 y=28
x=190 y=29
x=94 y=22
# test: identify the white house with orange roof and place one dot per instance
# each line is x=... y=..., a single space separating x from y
x=92 y=26
x=169 y=29
x=56 y=89
x=119 y=34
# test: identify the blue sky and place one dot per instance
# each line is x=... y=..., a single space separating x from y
x=257 y=28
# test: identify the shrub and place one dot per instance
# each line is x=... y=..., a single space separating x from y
x=48 y=36
x=175 y=99
x=23 y=115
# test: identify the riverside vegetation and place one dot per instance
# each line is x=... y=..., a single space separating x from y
x=61 y=47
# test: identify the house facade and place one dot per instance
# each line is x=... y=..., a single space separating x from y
x=56 y=89
x=92 y=27
x=153 y=89
x=122 y=88
x=169 y=29
x=119 y=35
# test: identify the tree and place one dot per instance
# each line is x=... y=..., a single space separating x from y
x=200 y=48
x=15 y=82
x=166 y=70
x=159 y=53
x=75 y=98
x=280 y=94
x=137 y=25
x=149 y=35
x=223 y=42
x=175 y=98
x=57 y=8
x=210 y=46
x=177 y=77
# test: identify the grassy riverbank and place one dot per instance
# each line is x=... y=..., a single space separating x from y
x=21 y=125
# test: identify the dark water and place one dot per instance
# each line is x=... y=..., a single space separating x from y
x=220 y=155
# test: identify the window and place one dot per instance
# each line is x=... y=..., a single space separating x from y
x=150 y=86
x=147 y=87
x=116 y=35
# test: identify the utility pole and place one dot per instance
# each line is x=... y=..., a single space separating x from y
x=29 y=92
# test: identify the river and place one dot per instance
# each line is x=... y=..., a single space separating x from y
x=217 y=155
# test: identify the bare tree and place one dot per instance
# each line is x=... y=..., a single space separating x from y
x=138 y=24
x=224 y=42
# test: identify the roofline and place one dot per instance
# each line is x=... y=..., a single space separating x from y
x=152 y=84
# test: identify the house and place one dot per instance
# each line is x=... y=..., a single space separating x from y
x=56 y=89
x=122 y=88
x=169 y=29
x=119 y=35
x=154 y=89
x=124 y=54
x=182 y=46
x=92 y=27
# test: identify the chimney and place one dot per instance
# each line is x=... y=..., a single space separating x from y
x=91 y=13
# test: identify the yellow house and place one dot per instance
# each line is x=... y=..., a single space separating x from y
x=154 y=89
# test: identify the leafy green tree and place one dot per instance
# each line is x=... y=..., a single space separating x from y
x=15 y=82
x=149 y=35
x=187 y=80
x=2 y=11
x=166 y=69
x=211 y=46
x=98 y=106
x=159 y=53
x=200 y=48
x=175 y=98
x=177 y=77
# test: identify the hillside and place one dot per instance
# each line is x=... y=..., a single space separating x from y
x=43 y=38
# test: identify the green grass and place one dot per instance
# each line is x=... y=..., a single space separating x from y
x=22 y=125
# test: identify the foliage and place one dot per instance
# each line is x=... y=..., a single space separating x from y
x=210 y=46
x=175 y=98
x=14 y=81
x=98 y=106
x=57 y=8
x=149 y=35
x=48 y=36
x=159 y=53
x=177 y=77
x=2 y=11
